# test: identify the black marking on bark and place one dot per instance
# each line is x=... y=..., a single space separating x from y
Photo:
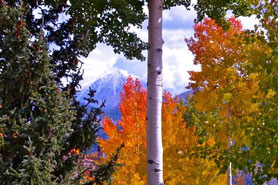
x=150 y=98
x=159 y=72
x=159 y=49
x=151 y=161
x=147 y=118
x=147 y=83
x=149 y=65
x=157 y=170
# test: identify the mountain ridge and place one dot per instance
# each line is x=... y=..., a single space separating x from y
x=109 y=87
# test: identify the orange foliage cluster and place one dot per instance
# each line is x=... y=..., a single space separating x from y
x=130 y=130
x=222 y=84
x=178 y=142
x=74 y=151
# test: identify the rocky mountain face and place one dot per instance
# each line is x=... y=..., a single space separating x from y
x=108 y=89
x=184 y=95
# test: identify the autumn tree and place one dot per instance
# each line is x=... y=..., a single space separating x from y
x=180 y=167
x=131 y=131
x=178 y=140
x=262 y=54
x=222 y=87
x=262 y=42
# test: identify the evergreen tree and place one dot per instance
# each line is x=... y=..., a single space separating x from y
x=35 y=106
x=43 y=130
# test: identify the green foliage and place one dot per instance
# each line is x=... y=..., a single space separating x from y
x=108 y=22
x=217 y=9
x=105 y=170
x=40 y=123
x=35 y=118
x=75 y=27
x=170 y=3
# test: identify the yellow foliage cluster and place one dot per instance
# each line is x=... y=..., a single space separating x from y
x=222 y=84
x=180 y=166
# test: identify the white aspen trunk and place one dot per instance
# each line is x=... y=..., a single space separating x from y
x=154 y=96
x=229 y=171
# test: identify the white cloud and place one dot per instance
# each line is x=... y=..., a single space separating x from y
x=179 y=13
x=98 y=63
x=175 y=38
x=177 y=60
x=141 y=33
x=249 y=22
x=167 y=16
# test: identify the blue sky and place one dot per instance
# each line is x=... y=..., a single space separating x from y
x=177 y=59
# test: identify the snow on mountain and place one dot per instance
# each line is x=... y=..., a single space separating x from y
x=108 y=89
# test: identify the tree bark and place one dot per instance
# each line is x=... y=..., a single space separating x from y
x=229 y=171
x=154 y=96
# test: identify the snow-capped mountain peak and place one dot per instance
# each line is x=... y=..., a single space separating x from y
x=108 y=88
x=117 y=74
